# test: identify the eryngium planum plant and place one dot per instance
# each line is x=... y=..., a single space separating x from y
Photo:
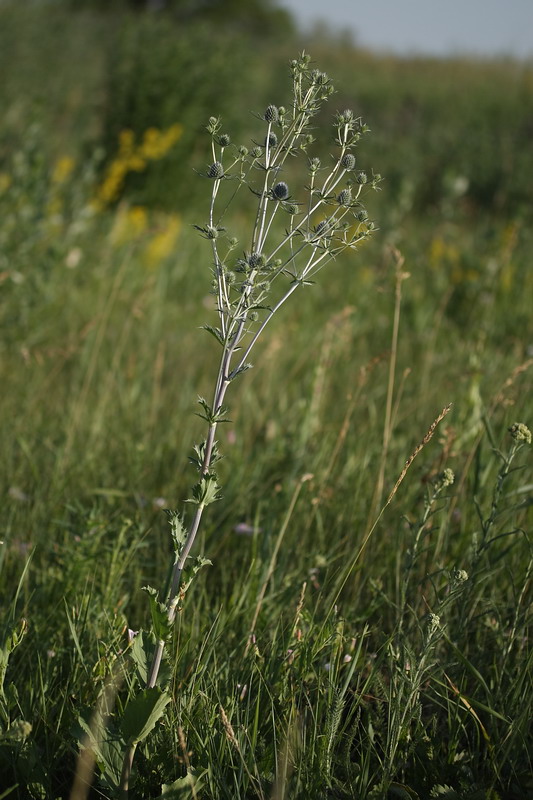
x=297 y=228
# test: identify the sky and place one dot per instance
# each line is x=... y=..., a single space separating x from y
x=433 y=27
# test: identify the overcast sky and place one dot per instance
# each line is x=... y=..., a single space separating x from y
x=437 y=27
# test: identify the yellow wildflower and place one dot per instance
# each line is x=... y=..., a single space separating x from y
x=129 y=224
x=162 y=244
x=62 y=169
x=5 y=182
x=133 y=158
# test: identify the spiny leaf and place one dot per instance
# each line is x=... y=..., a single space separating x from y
x=178 y=530
x=215 y=332
x=162 y=628
x=205 y=491
x=199 y=449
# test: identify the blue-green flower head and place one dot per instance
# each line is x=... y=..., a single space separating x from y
x=256 y=260
x=256 y=152
x=348 y=161
x=216 y=170
x=344 y=198
x=224 y=140
x=362 y=215
x=361 y=177
x=271 y=140
x=271 y=114
x=280 y=191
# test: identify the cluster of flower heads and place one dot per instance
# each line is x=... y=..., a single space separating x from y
x=319 y=219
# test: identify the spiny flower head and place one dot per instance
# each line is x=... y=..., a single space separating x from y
x=280 y=191
x=216 y=170
x=256 y=260
x=271 y=114
x=348 y=161
x=344 y=198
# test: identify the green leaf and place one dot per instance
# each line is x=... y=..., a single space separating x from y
x=182 y=789
x=178 y=531
x=12 y=640
x=402 y=791
x=208 y=412
x=162 y=628
x=141 y=651
x=240 y=370
x=205 y=491
x=215 y=332
x=200 y=562
x=142 y=714
x=444 y=792
x=108 y=746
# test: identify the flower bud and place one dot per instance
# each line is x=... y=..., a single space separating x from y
x=520 y=432
x=320 y=78
x=224 y=140
x=291 y=208
x=459 y=575
x=361 y=177
x=271 y=140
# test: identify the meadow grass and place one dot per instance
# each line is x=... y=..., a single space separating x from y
x=299 y=668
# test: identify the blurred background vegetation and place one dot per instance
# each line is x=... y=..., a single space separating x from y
x=104 y=285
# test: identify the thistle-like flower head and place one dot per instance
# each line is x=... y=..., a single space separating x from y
x=216 y=170
x=280 y=191
x=271 y=114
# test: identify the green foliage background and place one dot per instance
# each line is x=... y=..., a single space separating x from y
x=101 y=360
